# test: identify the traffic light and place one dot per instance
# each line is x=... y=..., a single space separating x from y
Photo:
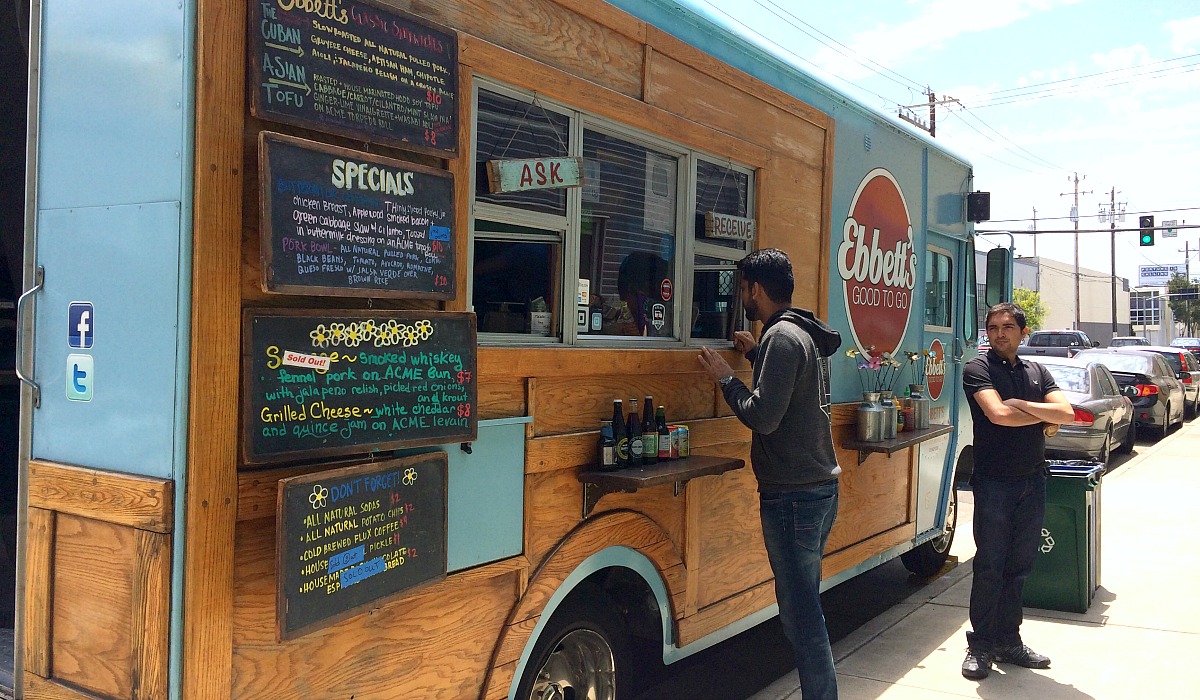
x=1146 y=224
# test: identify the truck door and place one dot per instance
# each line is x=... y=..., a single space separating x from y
x=945 y=266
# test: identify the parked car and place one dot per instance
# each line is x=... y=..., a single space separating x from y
x=1055 y=344
x=1147 y=379
x=1190 y=344
x=1103 y=415
x=1186 y=369
x=1124 y=341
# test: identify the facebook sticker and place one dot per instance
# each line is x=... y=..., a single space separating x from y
x=80 y=373
x=80 y=324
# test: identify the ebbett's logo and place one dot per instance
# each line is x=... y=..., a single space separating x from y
x=877 y=264
x=935 y=369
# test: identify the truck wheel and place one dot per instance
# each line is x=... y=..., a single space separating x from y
x=582 y=654
x=929 y=558
x=1126 y=445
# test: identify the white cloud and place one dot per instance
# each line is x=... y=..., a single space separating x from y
x=1185 y=35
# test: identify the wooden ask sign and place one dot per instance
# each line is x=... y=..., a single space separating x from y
x=734 y=228
x=534 y=174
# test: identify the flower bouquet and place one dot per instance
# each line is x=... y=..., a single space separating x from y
x=877 y=372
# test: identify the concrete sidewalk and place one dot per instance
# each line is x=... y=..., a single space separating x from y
x=1139 y=639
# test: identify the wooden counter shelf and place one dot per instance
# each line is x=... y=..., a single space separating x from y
x=597 y=484
x=900 y=442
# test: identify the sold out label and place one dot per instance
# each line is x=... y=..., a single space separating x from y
x=299 y=359
x=877 y=264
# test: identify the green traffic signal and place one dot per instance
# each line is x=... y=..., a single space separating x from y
x=1146 y=223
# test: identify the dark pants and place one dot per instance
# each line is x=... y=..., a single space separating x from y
x=1008 y=525
x=796 y=525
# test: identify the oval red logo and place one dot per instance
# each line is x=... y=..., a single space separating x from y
x=935 y=369
x=666 y=290
x=877 y=264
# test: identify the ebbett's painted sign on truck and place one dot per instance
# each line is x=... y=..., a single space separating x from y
x=877 y=264
x=935 y=369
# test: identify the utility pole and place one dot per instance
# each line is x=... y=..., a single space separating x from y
x=1112 y=240
x=1034 y=229
x=911 y=117
x=1075 y=218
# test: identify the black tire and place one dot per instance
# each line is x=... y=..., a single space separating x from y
x=927 y=559
x=585 y=645
x=1166 y=424
x=1126 y=445
x=1105 y=455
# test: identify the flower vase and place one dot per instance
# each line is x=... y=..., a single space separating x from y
x=920 y=405
x=890 y=418
x=870 y=418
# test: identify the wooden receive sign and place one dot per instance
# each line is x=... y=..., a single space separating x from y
x=534 y=174
x=323 y=382
x=347 y=223
x=348 y=539
x=734 y=228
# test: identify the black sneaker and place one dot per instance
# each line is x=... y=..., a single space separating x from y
x=977 y=665
x=1020 y=655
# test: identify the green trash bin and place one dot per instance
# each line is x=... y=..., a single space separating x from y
x=1066 y=572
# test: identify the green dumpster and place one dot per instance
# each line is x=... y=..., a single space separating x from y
x=1066 y=572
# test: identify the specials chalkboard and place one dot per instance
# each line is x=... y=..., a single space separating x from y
x=350 y=538
x=347 y=223
x=318 y=383
x=353 y=68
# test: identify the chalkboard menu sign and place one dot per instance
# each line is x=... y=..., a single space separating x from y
x=349 y=538
x=353 y=68
x=318 y=383
x=346 y=223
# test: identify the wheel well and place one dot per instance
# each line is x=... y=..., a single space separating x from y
x=965 y=466
x=635 y=602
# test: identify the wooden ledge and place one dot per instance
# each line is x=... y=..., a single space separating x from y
x=141 y=502
x=900 y=442
x=597 y=484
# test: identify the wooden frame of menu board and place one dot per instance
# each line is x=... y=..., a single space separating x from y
x=355 y=69
x=318 y=383
x=380 y=527
x=340 y=222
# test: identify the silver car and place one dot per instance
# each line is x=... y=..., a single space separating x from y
x=1103 y=415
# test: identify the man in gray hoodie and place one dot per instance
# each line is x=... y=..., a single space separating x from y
x=791 y=452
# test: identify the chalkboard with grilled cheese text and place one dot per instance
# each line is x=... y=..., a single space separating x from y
x=324 y=382
x=349 y=539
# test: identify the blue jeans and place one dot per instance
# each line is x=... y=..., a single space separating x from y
x=1008 y=526
x=795 y=526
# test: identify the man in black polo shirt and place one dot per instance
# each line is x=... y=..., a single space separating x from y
x=1012 y=400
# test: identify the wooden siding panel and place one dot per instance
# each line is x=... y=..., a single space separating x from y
x=501 y=396
x=123 y=499
x=732 y=555
x=430 y=645
x=572 y=404
x=790 y=214
x=151 y=615
x=873 y=497
x=92 y=610
x=550 y=34
x=681 y=89
x=39 y=577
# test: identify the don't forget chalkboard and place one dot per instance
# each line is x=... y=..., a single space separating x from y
x=347 y=223
x=350 y=538
x=318 y=383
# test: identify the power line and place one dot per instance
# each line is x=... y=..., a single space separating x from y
x=1045 y=165
x=1060 y=218
x=1043 y=94
x=1026 y=88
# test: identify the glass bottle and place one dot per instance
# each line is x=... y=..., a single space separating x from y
x=649 y=432
x=633 y=426
x=608 y=447
x=620 y=437
x=664 y=434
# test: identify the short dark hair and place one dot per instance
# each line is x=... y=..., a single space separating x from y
x=1006 y=307
x=772 y=269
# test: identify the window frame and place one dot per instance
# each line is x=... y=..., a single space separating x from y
x=568 y=228
x=949 y=292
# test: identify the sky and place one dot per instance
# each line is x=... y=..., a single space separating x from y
x=1047 y=90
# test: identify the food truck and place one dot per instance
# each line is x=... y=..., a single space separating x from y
x=322 y=305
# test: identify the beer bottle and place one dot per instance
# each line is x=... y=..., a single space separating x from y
x=608 y=447
x=649 y=433
x=634 y=427
x=620 y=437
x=664 y=434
